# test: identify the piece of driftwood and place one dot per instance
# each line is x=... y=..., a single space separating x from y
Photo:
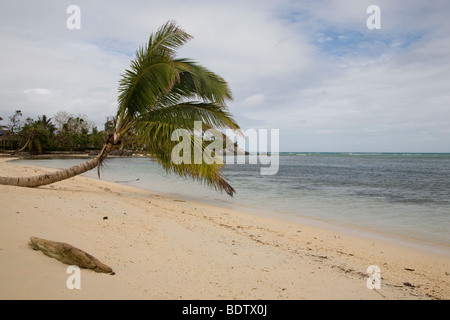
x=68 y=254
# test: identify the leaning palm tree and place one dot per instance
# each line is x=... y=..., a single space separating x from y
x=35 y=134
x=159 y=94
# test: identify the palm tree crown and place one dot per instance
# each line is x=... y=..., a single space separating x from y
x=159 y=94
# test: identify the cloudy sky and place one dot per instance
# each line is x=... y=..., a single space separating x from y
x=311 y=69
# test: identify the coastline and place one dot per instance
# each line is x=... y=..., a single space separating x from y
x=168 y=248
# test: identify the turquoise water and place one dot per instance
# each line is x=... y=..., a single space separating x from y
x=405 y=194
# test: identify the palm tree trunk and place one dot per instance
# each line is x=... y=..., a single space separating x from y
x=23 y=148
x=52 y=177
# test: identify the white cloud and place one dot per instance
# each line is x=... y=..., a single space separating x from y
x=310 y=68
x=38 y=91
x=254 y=101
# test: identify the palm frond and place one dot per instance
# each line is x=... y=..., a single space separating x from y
x=152 y=73
x=160 y=146
x=159 y=94
x=141 y=87
x=183 y=115
x=197 y=80
x=168 y=39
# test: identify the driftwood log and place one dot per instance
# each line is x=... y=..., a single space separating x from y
x=68 y=254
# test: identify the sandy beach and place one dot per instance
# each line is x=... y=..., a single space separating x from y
x=165 y=248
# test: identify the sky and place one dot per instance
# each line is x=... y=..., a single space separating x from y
x=312 y=69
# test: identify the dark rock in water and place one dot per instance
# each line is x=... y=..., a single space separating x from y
x=122 y=152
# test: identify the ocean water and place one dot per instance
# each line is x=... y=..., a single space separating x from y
x=403 y=194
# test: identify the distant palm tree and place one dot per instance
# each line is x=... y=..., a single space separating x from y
x=37 y=134
x=157 y=95
x=34 y=133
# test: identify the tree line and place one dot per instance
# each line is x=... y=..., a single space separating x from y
x=62 y=132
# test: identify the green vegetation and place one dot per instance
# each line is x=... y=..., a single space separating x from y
x=158 y=95
x=63 y=132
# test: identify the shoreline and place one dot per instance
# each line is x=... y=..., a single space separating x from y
x=226 y=253
x=425 y=245
x=436 y=246
x=400 y=237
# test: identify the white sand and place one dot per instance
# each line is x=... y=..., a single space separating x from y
x=163 y=248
